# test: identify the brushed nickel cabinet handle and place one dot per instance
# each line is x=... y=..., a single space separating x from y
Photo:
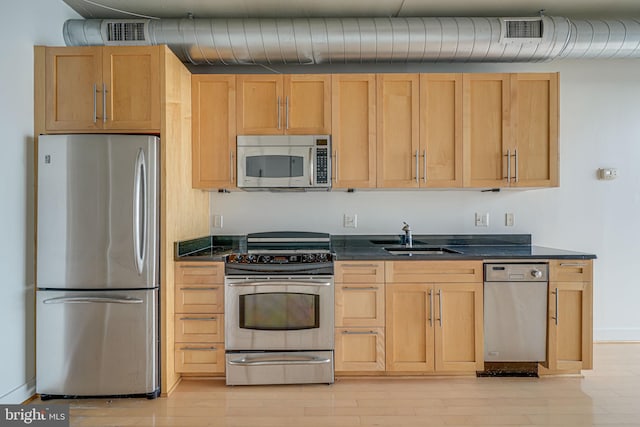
x=557 y=297
x=95 y=103
x=104 y=103
x=440 y=305
x=417 y=168
x=359 y=333
x=363 y=288
x=198 y=348
x=508 y=156
x=572 y=264
x=203 y=319
x=279 y=114
x=194 y=288
x=516 y=156
x=430 y=308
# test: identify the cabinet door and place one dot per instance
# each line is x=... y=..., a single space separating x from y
x=73 y=93
x=570 y=326
x=259 y=105
x=459 y=338
x=398 y=130
x=307 y=104
x=214 y=130
x=486 y=109
x=409 y=327
x=359 y=349
x=131 y=77
x=441 y=130
x=354 y=130
x=534 y=106
x=359 y=304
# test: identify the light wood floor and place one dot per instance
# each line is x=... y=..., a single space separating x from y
x=607 y=396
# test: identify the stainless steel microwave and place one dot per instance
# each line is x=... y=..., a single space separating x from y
x=284 y=161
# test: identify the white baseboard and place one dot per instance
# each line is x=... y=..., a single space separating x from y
x=19 y=394
x=630 y=334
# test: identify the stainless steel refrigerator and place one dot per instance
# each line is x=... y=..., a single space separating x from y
x=97 y=265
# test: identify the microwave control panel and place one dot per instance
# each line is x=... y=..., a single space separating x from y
x=322 y=161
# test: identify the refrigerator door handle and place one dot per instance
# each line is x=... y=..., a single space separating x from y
x=89 y=300
x=140 y=211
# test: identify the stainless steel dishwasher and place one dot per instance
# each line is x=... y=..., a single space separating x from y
x=515 y=312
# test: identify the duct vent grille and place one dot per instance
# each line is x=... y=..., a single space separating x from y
x=125 y=32
x=522 y=30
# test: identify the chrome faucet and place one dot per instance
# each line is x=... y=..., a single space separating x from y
x=407 y=239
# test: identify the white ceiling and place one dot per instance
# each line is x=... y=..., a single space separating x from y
x=346 y=8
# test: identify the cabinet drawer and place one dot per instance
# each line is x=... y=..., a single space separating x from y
x=359 y=272
x=199 y=358
x=433 y=271
x=571 y=270
x=190 y=273
x=199 y=298
x=199 y=327
x=360 y=349
x=359 y=304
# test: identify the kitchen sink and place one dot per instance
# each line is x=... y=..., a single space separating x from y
x=395 y=242
x=401 y=250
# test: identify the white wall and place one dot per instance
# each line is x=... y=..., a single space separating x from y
x=23 y=24
x=599 y=127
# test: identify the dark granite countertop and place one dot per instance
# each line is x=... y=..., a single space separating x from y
x=371 y=247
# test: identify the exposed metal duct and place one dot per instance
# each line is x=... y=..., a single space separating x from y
x=368 y=40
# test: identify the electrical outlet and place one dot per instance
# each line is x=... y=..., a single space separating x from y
x=508 y=219
x=217 y=221
x=350 y=221
x=482 y=219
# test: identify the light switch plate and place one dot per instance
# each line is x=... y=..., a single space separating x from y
x=350 y=221
x=217 y=221
x=482 y=219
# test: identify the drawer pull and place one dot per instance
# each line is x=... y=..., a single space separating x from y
x=214 y=267
x=359 y=333
x=203 y=319
x=363 y=288
x=360 y=265
x=193 y=288
x=572 y=264
x=199 y=348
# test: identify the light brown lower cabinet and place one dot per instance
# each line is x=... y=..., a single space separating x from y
x=434 y=327
x=359 y=349
x=570 y=321
x=192 y=358
x=199 y=318
x=359 y=316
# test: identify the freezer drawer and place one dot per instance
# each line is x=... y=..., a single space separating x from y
x=95 y=343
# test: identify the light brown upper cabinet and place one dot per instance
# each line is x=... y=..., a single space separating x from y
x=102 y=88
x=354 y=130
x=398 y=130
x=283 y=104
x=534 y=148
x=510 y=130
x=440 y=130
x=486 y=127
x=213 y=99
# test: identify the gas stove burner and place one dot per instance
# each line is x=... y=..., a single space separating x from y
x=280 y=258
x=289 y=252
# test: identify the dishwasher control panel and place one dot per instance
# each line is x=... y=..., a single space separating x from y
x=521 y=272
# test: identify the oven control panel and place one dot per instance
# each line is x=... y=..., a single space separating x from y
x=307 y=258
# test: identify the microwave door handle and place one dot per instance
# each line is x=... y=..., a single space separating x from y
x=311 y=173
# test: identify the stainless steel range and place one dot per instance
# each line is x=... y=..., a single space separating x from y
x=279 y=310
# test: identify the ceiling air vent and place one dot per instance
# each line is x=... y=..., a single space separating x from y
x=127 y=32
x=521 y=30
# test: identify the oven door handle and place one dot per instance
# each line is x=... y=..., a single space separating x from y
x=280 y=360
x=278 y=283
